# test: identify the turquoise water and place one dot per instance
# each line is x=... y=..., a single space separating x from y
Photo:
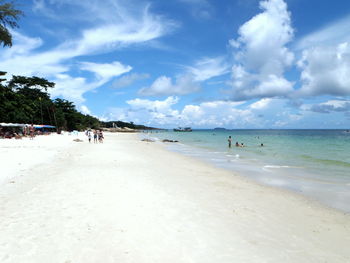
x=315 y=163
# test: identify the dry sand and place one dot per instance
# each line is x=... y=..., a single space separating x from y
x=132 y=201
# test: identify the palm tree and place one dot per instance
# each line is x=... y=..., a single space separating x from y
x=8 y=18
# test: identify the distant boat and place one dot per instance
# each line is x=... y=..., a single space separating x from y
x=185 y=129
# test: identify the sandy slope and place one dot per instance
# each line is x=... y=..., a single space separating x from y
x=132 y=201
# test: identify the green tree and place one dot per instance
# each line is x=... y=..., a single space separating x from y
x=25 y=100
x=19 y=82
x=32 y=103
x=68 y=118
x=22 y=100
x=9 y=16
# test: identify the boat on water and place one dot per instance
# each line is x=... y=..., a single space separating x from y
x=181 y=129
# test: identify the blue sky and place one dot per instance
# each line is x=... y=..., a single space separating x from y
x=199 y=63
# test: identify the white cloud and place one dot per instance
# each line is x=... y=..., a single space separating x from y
x=116 y=25
x=85 y=110
x=233 y=43
x=325 y=70
x=72 y=88
x=208 y=68
x=217 y=113
x=263 y=56
x=151 y=112
x=162 y=113
x=265 y=113
x=325 y=60
x=164 y=85
x=331 y=106
x=330 y=35
x=116 y=36
x=23 y=45
x=38 y=5
x=200 y=9
x=106 y=70
x=24 y=59
x=127 y=80
x=189 y=81
x=261 y=104
x=155 y=105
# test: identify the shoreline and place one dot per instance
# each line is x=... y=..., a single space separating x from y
x=132 y=201
x=331 y=191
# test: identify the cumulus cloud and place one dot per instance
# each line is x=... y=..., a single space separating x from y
x=127 y=80
x=325 y=70
x=262 y=56
x=151 y=112
x=266 y=112
x=332 y=106
x=184 y=84
x=216 y=113
x=325 y=61
x=155 y=105
x=163 y=113
x=189 y=81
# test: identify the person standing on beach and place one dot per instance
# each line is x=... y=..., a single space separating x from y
x=100 y=136
x=89 y=136
x=31 y=132
x=95 y=136
x=229 y=141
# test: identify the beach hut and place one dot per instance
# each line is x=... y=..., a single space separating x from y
x=9 y=130
x=45 y=129
x=3 y=124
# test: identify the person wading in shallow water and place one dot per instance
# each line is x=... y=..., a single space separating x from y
x=229 y=141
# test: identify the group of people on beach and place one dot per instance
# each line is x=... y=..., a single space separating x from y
x=237 y=143
x=97 y=134
x=18 y=132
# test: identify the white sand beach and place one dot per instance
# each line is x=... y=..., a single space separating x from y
x=131 y=201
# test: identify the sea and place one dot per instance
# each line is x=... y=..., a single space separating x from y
x=314 y=163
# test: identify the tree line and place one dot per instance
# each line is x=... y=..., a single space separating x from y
x=26 y=100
